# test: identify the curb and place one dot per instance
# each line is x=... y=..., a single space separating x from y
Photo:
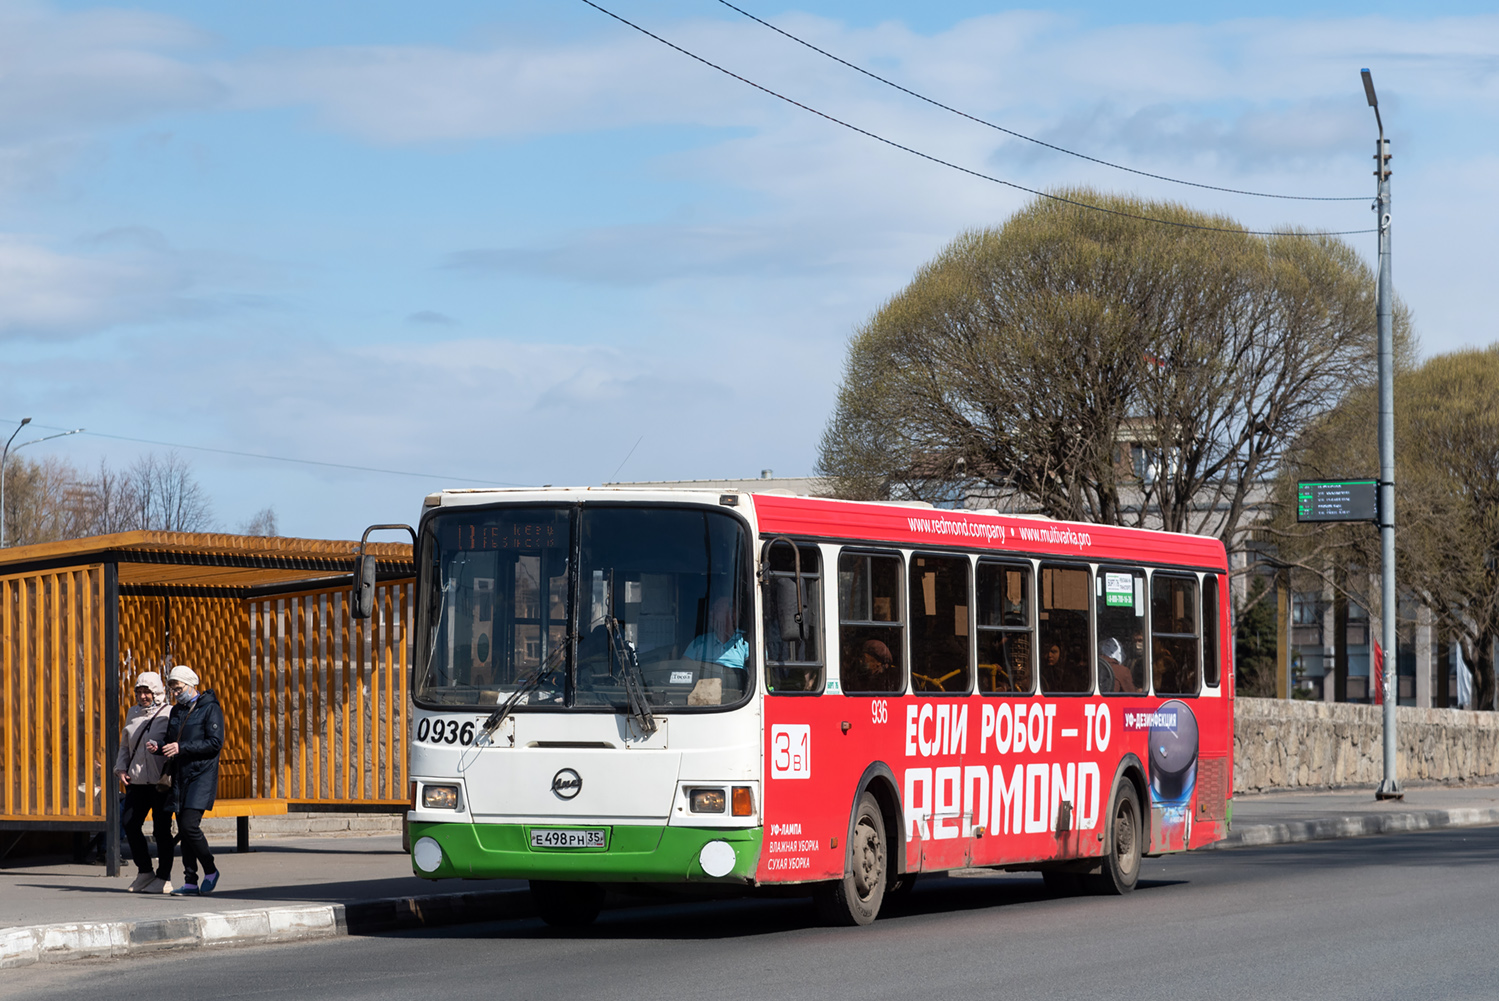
x=57 y=943
x=1354 y=826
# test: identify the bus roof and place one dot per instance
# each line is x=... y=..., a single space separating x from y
x=901 y=524
x=894 y=523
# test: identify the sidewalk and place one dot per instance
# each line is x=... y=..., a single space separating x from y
x=297 y=888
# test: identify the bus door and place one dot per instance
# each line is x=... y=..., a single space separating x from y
x=1176 y=678
x=940 y=800
x=804 y=826
x=994 y=772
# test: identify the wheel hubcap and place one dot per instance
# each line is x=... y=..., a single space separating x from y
x=1124 y=838
x=868 y=867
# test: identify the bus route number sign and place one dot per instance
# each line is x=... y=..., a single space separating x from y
x=791 y=751
x=1343 y=500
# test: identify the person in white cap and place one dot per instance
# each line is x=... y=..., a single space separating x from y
x=194 y=737
x=140 y=773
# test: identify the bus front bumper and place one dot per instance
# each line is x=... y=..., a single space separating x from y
x=633 y=853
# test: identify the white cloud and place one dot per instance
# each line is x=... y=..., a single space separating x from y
x=121 y=276
x=46 y=295
x=65 y=72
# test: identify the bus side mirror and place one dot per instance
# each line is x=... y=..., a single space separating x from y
x=788 y=609
x=362 y=605
x=362 y=599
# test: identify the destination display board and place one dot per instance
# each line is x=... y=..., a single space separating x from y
x=1341 y=500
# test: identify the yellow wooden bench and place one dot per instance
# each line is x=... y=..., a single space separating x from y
x=242 y=810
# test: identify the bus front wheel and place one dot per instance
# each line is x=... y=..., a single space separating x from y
x=1121 y=864
x=855 y=899
x=567 y=905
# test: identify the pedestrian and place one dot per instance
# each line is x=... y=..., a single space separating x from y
x=141 y=773
x=191 y=745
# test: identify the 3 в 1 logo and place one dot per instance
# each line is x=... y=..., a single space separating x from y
x=791 y=751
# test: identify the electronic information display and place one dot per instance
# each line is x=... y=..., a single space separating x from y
x=1343 y=500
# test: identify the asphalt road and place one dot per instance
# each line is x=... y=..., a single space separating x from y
x=1390 y=917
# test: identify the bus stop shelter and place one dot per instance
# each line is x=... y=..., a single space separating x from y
x=315 y=702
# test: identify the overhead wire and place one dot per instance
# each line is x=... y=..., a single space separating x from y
x=968 y=170
x=1032 y=139
x=284 y=458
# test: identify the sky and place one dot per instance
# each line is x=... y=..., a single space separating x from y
x=461 y=244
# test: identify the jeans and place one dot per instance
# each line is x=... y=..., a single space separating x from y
x=194 y=845
x=138 y=800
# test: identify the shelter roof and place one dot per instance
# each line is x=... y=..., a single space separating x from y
x=201 y=560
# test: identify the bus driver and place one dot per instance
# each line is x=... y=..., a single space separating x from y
x=722 y=644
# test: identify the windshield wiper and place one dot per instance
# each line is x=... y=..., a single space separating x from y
x=634 y=677
x=526 y=687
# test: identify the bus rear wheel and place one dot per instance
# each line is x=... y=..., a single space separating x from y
x=855 y=899
x=567 y=905
x=1121 y=864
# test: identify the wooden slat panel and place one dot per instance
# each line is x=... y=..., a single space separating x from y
x=53 y=658
x=50 y=684
x=9 y=710
x=92 y=615
x=330 y=707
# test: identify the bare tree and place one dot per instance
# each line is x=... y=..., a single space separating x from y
x=263 y=524
x=50 y=500
x=37 y=505
x=161 y=495
x=1027 y=359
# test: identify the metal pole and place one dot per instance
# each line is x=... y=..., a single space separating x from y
x=4 y=458
x=1389 y=788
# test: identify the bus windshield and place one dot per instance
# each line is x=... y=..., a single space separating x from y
x=580 y=595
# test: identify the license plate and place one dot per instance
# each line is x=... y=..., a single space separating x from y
x=567 y=839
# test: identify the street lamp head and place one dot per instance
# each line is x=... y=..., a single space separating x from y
x=25 y=421
x=1373 y=103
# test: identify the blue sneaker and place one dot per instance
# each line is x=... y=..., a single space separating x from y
x=186 y=890
x=210 y=881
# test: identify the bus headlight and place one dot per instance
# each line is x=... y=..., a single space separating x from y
x=705 y=800
x=441 y=798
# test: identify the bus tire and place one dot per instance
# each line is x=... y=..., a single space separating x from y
x=567 y=905
x=1125 y=838
x=855 y=899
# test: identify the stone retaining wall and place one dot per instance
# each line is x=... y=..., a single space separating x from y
x=297 y=824
x=1281 y=744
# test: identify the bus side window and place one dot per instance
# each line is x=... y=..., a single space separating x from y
x=1210 y=619
x=793 y=642
x=871 y=624
x=1175 y=665
x=1006 y=634
x=1066 y=664
x=1121 y=630
x=940 y=656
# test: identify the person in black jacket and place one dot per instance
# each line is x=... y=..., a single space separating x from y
x=194 y=737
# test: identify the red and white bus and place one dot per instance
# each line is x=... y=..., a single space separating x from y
x=670 y=686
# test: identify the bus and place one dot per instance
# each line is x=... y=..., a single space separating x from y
x=742 y=690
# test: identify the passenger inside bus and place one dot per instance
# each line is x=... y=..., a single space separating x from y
x=1062 y=670
x=1113 y=670
x=870 y=668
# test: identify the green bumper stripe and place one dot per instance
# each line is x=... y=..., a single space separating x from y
x=646 y=854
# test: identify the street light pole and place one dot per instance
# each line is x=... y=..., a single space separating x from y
x=6 y=454
x=4 y=457
x=1389 y=788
